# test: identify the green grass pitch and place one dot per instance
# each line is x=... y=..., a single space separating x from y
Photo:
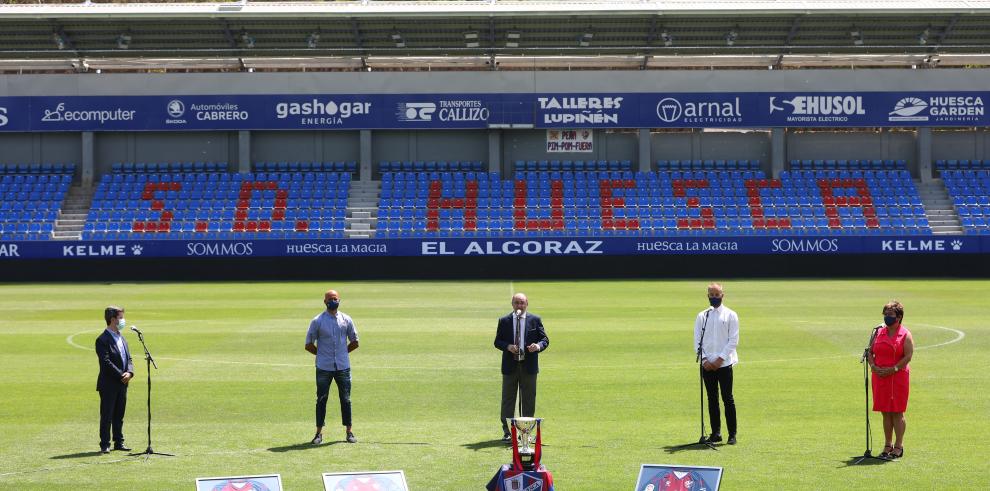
x=234 y=393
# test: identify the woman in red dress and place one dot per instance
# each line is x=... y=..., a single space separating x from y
x=890 y=353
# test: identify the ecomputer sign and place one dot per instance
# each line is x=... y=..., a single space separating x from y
x=485 y=110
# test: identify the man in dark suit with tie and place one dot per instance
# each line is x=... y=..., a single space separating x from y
x=116 y=371
x=521 y=338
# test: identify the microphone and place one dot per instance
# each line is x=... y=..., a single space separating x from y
x=135 y=329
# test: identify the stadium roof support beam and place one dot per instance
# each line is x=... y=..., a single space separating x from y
x=942 y=36
x=228 y=35
x=791 y=34
x=356 y=32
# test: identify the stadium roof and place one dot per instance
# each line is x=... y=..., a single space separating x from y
x=489 y=34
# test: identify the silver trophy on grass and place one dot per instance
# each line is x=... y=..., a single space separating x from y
x=525 y=454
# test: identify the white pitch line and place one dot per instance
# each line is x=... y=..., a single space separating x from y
x=959 y=336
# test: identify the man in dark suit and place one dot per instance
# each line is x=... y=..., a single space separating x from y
x=521 y=338
x=116 y=371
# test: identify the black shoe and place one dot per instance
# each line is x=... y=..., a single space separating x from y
x=506 y=438
x=121 y=446
x=104 y=449
x=715 y=438
x=351 y=438
x=732 y=440
x=318 y=439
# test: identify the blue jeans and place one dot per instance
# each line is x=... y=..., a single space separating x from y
x=323 y=379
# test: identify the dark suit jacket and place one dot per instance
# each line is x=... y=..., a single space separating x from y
x=111 y=366
x=534 y=334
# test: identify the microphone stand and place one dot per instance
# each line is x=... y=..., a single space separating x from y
x=701 y=390
x=150 y=362
x=865 y=361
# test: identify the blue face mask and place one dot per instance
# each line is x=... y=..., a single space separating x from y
x=715 y=301
x=121 y=324
x=333 y=304
x=888 y=320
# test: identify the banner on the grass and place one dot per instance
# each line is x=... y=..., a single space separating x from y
x=269 y=482
x=659 y=477
x=495 y=247
x=570 y=141
x=486 y=110
x=358 y=481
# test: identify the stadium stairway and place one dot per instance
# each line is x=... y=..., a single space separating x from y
x=942 y=215
x=362 y=209
x=72 y=218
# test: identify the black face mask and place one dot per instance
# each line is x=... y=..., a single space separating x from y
x=889 y=320
x=333 y=304
x=715 y=301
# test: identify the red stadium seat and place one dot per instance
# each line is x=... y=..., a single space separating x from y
x=239 y=226
x=202 y=226
x=302 y=226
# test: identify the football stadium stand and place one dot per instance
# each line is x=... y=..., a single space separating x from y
x=31 y=197
x=969 y=190
x=218 y=205
x=286 y=200
x=867 y=200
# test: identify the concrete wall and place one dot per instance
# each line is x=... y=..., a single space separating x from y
x=497 y=82
x=305 y=146
x=960 y=144
x=209 y=146
x=532 y=145
x=429 y=145
x=27 y=148
x=883 y=144
x=696 y=144
x=473 y=145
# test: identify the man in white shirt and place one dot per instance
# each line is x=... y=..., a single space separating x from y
x=717 y=330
